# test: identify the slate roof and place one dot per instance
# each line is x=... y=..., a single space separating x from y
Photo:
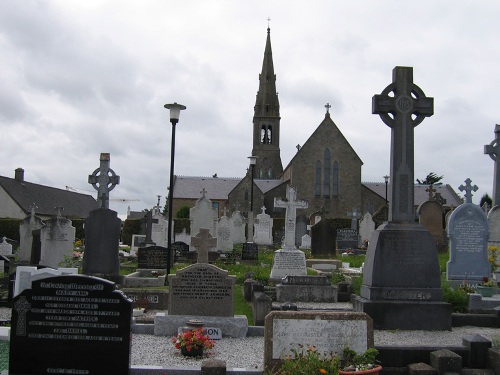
x=218 y=188
x=266 y=185
x=421 y=196
x=46 y=198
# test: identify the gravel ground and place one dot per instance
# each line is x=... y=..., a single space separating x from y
x=249 y=352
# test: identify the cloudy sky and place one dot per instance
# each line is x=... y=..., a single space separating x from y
x=78 y=78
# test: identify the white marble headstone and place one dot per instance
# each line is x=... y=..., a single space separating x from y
x=5 y=247
x=25 y=275
x=57 y=238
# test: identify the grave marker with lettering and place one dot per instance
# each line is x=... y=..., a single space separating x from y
x=70 y=325
x=152 y=257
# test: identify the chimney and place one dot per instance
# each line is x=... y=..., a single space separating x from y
x=19 y=176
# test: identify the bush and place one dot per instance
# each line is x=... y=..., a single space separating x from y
x=309 y=362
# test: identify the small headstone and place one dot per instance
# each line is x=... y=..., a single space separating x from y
x=224 y=234
x=323 y=238
x=5 y=247
x=263 y=229
x=305 y=242
x=159 y=229
x=152 y=257
x=431 y=216
x=26 y=228
x=347 y=239
x=366 y=227
x=238 y=235
x=70 y=325
x=57 y=238
x=468 y=234
x=328 y=332
x=137 y=242
x=300 y=228
x=203 y=215
x=250 y=251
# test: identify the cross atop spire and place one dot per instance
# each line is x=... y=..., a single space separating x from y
x=328 y=106
x=268 y=20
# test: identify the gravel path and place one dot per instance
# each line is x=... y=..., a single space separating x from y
x=249 y=352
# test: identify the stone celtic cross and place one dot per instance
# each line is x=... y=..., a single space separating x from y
x=468 y=188
x=21 y=306
x=291 y=204
x=493 y=149
x=203 y=241
x=104 y=180
x=354 y=215
x=402 y=111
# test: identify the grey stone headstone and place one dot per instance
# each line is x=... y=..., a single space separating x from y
x=102 y=239
x=263 y=229
x=301 y=228
x=26 y=228
x=203 y=215
x=225 y=231
x=431 y=216
x=25 y=275
x=366 y=227
x=305 y=242
x=468 y=235
x=5 y=247
x=159 y=230
x=57 y=238
x=238 y=235
x=291 y=204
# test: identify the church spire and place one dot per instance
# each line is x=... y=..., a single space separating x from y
x=266 y=120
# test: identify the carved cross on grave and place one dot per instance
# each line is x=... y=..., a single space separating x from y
x=21 y=306
x=104 y=179
x=203 y=193
x=468 y=188
x=33 y=208
x=402 y=111
x=291 y=204
x=203 y=241
x=263 y=208
x=493 y=149
x=354 y=215
x=148 y=221
x=59 y=210
x=431 y=192
x=225 y=211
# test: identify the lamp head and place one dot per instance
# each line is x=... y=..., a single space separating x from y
x=386 y=178
x=253 y=160
x=175 y=111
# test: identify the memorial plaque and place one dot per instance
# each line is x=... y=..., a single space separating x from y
x=152 y=257
x=250 y=251
x=347 y=239
x=306 y=280
x=201 y=289
x=70 y=325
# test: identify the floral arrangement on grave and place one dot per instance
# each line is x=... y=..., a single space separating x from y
x=487 y=282
x=493 y=253
x=193 y=341
x=309 y=361
x=353 y=362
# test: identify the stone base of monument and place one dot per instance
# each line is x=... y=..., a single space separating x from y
x=235 y=326
x=306 y=289
x=288 y=262
x=145 y=278
x=401 y=280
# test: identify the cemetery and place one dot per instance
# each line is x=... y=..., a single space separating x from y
x=283 y=293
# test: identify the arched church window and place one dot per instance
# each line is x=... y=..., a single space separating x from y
x=326 y=176
x=246 y=194
x=335 y=191
x=270 y=134
x=269 y=173
x=261 y=172
x=317 y=184
x=263 y=135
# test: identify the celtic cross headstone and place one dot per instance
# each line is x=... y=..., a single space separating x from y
x=402 y=105
x=104 y=179
x=493 y=150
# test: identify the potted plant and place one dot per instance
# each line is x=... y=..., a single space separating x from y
x=309 y=361
x=192 y=342
x=487 y=287
x=364 y=363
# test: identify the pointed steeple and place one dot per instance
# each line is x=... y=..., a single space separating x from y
x=267 y=103
x=266 y=121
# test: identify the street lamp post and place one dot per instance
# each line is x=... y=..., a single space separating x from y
x=386 y=178
x=253 y=161
x=175 y=111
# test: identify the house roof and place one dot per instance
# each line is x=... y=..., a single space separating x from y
x=266 y=185
x=217 y=188
x=421 y=195
x=46 y=198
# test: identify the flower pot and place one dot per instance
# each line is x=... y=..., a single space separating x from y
x=194 y=352
x=485 y=291
x=372 y=371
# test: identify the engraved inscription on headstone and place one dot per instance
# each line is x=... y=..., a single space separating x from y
x=152 y=257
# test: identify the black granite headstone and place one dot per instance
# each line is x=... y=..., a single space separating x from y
x=347 y=239
x=73 y=324
x=250 y=251
x=152 y=257
x=102 y=239
x=323 y=238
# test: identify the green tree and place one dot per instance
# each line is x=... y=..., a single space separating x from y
x=486 y=198
x=183 y=213
x=431 y=179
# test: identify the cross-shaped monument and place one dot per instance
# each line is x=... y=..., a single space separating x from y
x=104 y=179
x=431 y=192
x=290 y=204
x=493 y=149
x=148 y=222
x=203 y=241
x=21 y=306
x=354 y=215
x=328 y=106
x=468 y=188
x=402 y=111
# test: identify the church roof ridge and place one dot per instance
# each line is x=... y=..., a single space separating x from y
x=204 y=177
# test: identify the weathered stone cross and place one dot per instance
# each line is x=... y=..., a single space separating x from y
x=493 y=149
x=354 y=215
x=104 y=180
x=203 y=241
x=328 y=106
x=431 y=192
x=468 y=188
x=291 y=204
x=402 y=112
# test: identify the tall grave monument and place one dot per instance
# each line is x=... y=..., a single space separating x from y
x=493 y=150
x=289 y=260
x=401 y=280
x=57 y=238
x=27 y=226
x=102 y=227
